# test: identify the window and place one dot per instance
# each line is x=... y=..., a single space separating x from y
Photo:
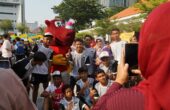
x=6 y=13
x=119 y=3
x=6 y=5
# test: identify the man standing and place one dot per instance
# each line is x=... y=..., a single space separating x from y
x=117 y=44
x=92 y=54
x=19 y=49
x=6 y=50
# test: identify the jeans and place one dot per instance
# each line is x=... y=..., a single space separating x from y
x=5 y=63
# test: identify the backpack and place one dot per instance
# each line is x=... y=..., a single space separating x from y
x=20 y=48
x=19 y=67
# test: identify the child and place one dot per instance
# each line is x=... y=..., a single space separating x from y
x=41 y=73
x=108 y=65
x=69 y=102
x=103 y=83
x=83 y=85
x=53 y=93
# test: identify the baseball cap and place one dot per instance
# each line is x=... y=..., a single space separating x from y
x=104 y=54
x=48 y=34
x=99 y=38
x=56 y=73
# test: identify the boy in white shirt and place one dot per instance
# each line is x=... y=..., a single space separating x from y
x=117 y=44
x=83 y=85
x=108 y=65
x=103 y=83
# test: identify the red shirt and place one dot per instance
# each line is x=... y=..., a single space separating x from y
x=59 y=96
x=117 y=98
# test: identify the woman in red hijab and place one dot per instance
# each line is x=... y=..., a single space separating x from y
x=153 y=93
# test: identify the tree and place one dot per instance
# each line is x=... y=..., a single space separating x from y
x=6 y=25
x=82 y=34
x=113 y=10
x=105 y=26
x=83 y=11
x=41 y=28
x=22 y=28
x=148 y=5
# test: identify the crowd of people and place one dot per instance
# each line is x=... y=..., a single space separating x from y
x=98 y=75
x=94 y=68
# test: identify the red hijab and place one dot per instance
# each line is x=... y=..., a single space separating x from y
x=154 y=59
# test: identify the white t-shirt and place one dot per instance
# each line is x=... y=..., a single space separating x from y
x=40 y=69
x=116 y=48
x=51 y=88
x=102 y=89
x=43 y=69
x=6 y=45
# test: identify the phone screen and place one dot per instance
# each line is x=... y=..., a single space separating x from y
x=131 y=56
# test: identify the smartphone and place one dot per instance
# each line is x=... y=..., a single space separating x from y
x=131 y=56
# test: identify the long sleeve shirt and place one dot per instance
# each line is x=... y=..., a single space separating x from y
x=118 y=98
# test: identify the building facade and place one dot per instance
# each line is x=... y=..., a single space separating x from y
x=32 y=26
x=117 y=3
x=13 y=10
x=106 y=3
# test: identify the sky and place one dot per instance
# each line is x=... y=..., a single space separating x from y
x=39 y=10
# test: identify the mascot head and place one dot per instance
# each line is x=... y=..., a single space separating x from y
x=63 y=33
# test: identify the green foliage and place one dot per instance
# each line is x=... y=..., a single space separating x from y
x=83 y=11
x=134 y=24
x=42 y=28
x=113 y=10
x=131 y=26
x=82 y=34
x=149 y=5
x=106 y=26
x=22 y=28
x=6 y=25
